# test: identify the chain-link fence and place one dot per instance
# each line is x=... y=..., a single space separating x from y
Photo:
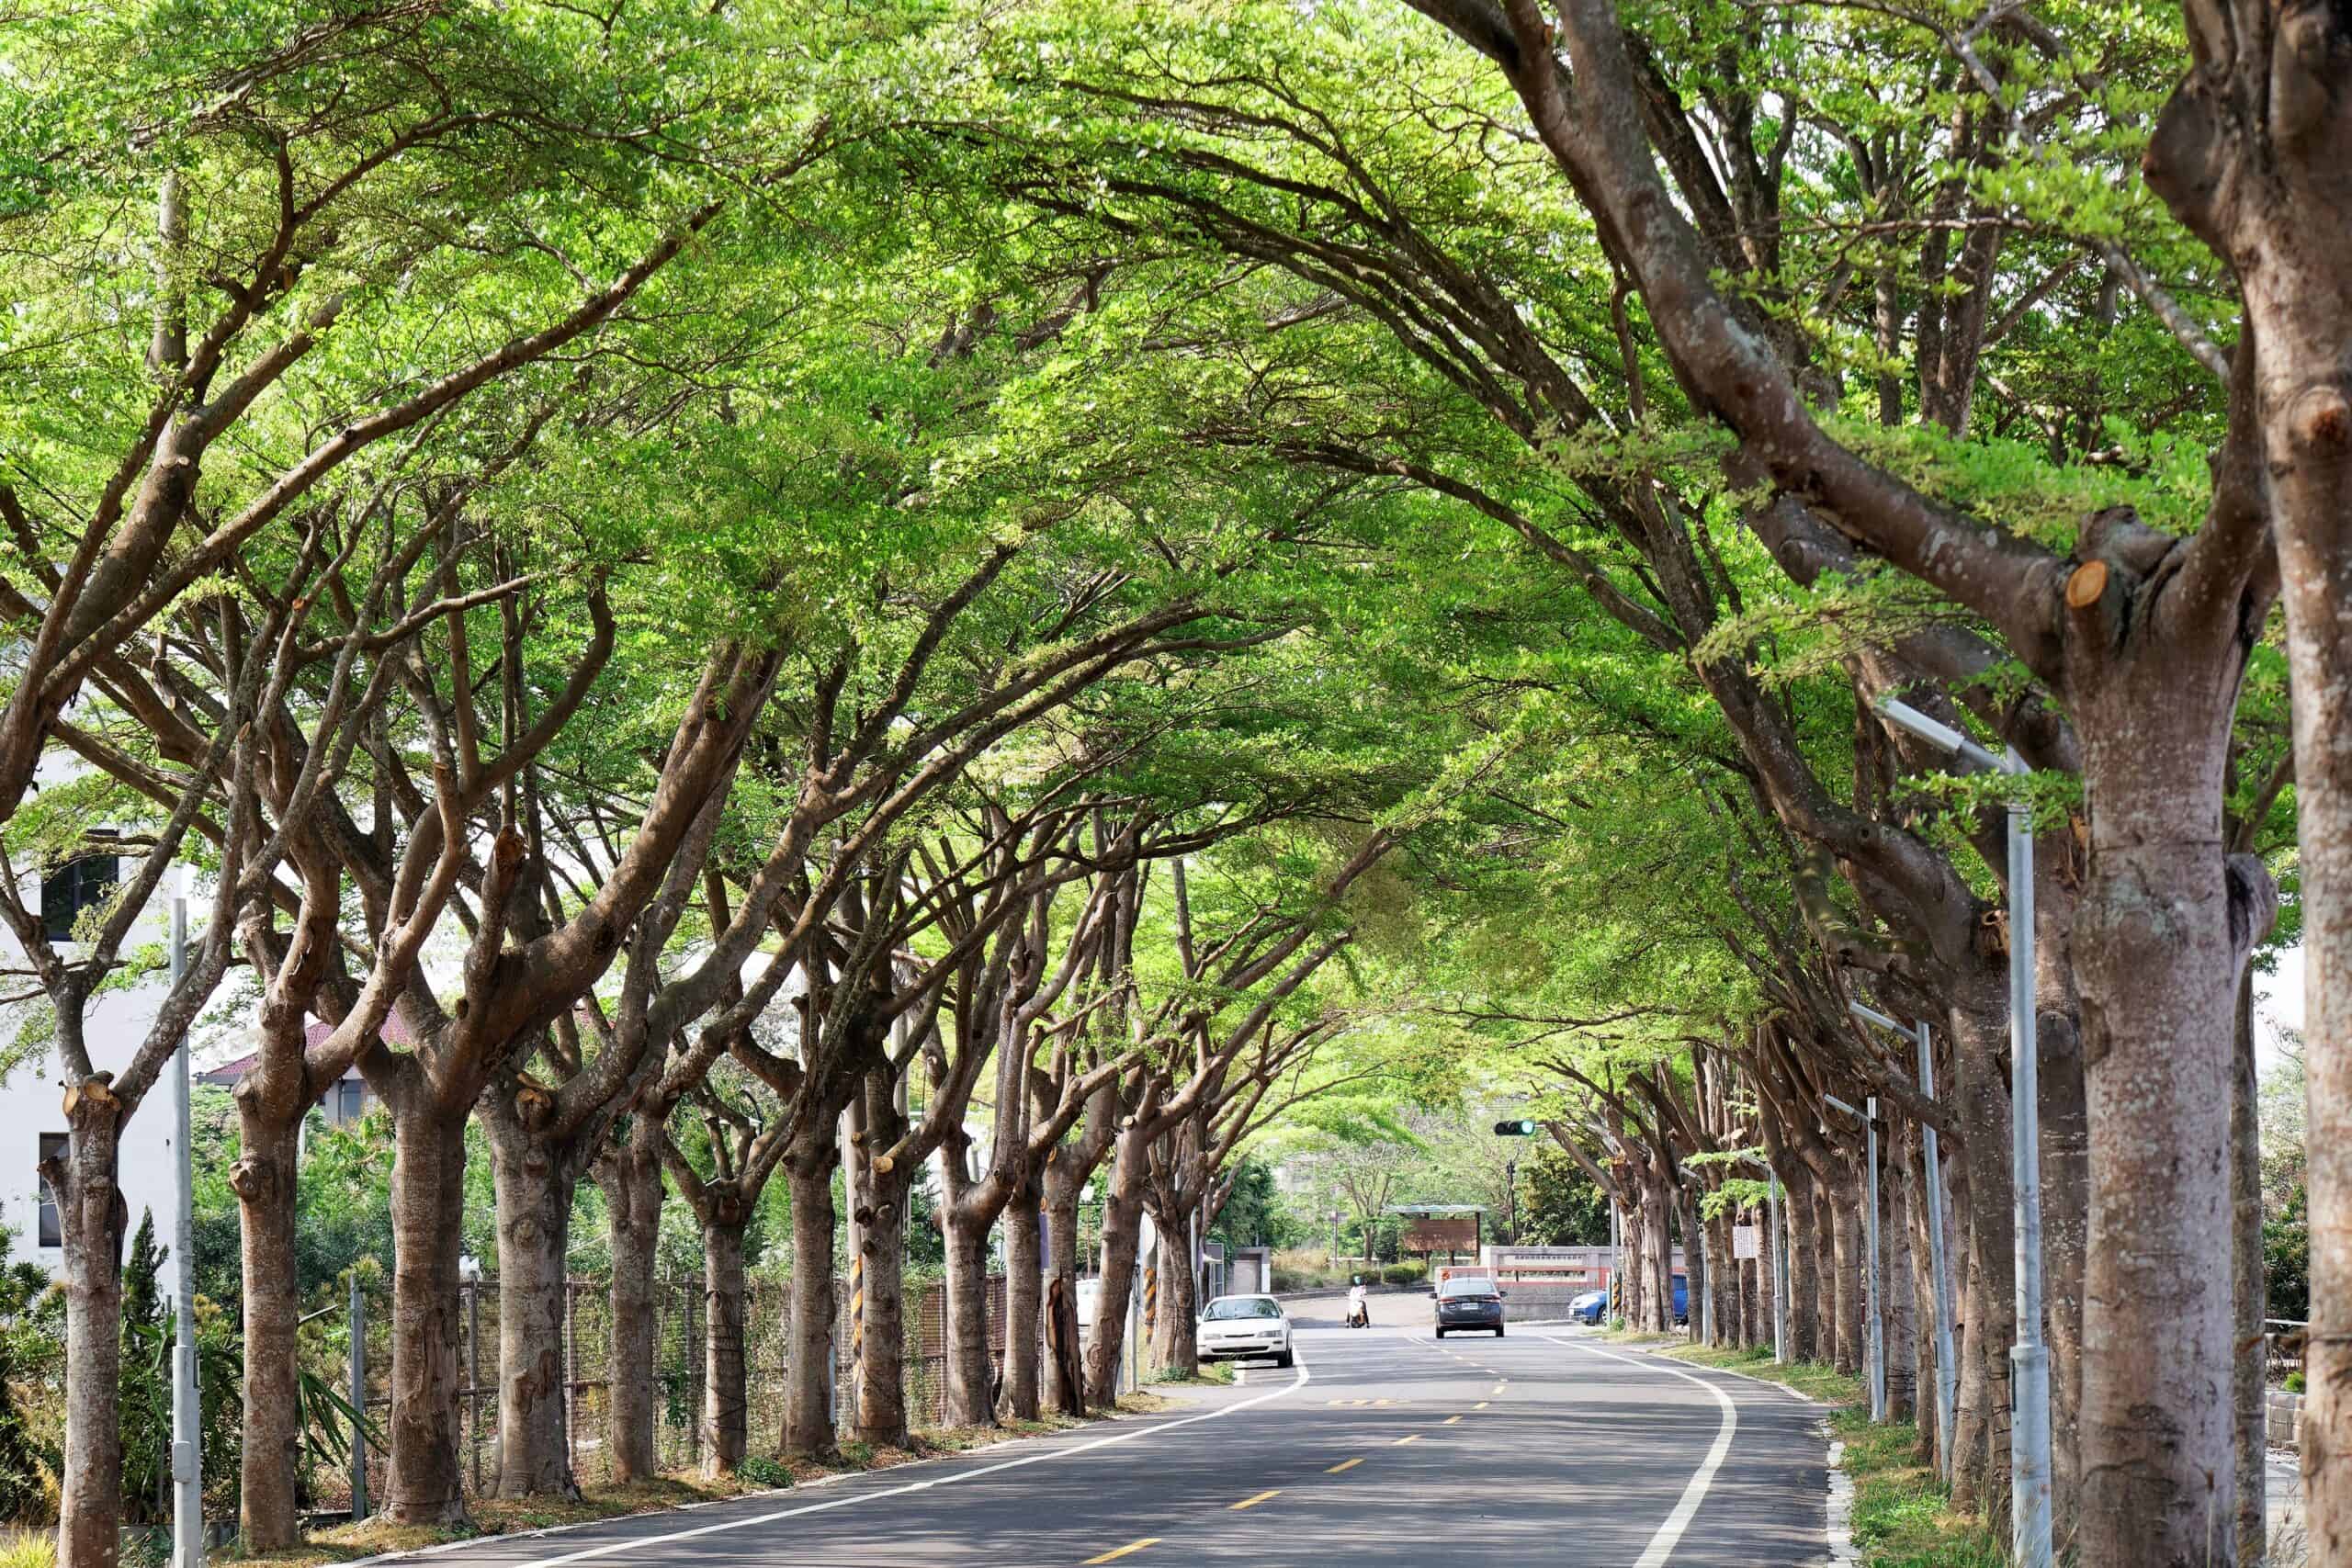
x=680 y=1371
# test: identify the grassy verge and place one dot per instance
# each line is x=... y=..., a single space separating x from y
x=343 y=1544
x=1901 y=1515
x=1207 y=1371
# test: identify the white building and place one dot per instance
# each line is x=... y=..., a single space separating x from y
x=32 y=1116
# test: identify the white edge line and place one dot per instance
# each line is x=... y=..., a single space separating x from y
x=1669 y=1534
x=616 y=1549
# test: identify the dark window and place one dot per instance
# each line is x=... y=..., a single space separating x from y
x=53 y=1147
x=81 y=885
x=350 y=1098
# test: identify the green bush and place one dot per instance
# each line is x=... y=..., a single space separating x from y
x=760 y=1471
x=2294 y=1383
x=1406 y=1273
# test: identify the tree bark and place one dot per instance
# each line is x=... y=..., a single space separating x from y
x=264 y=1179
x=1659 y=1255
x=1804 y=1287
x=1176 y=1344
x=1061 y=1262
x=1846 y=1247
x=629 y=1174
x=969 y=1373
x=808 y=1414
x=1121 y=1240
x=534 y=1190
x=726 y=1391
x=1897 y=1302
x=91 y=1218
x=2250 y=1290
x=881 y=1207
x=424 y=1482
x=1024 y=1297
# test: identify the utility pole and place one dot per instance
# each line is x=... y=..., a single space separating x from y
x=2029 y=1544
x=188 y=1451
x=1510 y=1192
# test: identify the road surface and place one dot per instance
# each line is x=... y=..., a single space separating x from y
x=1383 y=1448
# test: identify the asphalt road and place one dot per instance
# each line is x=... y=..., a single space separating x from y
x=1383 y=1447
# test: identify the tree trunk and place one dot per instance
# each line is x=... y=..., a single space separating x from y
x=1121 y=1240
x=2065 y=1242
x=1176 y=1346
x=881 y=1210
x=1897 y=1302
x=1823 y=1234
x=1023 y=1296
x=534 y=1193
x=970 y=1402
x=2250 y=1289
x=1929 y=1389
x=91 y=1216
x=1805 y=1291
x=1659 y=1255
x=424 y=1484
x=1061 y=1263
x=1977 y=1025
x=264 y=1179
x=1846 y=1244
x=2154 y=959
x=629 y=1174
x=726 y=1390
x=808 y=1370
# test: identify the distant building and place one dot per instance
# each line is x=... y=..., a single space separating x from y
x=348 y=1097
x=33 y=1115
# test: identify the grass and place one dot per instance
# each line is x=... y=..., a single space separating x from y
x=343 y=1544
x=1901 y=1517
x=1207 y=1371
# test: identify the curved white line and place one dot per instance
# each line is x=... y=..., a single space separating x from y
x=1669 y=1534
x=618 y=1547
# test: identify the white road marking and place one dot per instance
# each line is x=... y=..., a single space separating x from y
x=620 y=1547
x=1669 y=1534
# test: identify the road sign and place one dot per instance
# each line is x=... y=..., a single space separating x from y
x=1747 y=1243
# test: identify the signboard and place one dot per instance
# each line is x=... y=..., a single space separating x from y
x=1450 y=1233
x=1746 y=1243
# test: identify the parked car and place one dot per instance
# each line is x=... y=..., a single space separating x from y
x=1593 y=1305
x=1235 y=1328
x=1469 y=1301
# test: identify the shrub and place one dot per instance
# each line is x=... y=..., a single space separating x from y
x=1406 y=1273
x=758 y=1469
x=2294 y=1383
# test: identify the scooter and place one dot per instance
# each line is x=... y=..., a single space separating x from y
x=1359 y=1309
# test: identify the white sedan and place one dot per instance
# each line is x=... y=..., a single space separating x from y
x=1235 y=1328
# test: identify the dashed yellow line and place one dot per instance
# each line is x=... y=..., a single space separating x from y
x=1253 y=1502
x=1449 y=1420
x=1114 y=1556
x=1480 y=1406
x=1344 y=1464
x=1402 y=1441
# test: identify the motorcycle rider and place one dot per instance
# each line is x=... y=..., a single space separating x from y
x=1359 y=1310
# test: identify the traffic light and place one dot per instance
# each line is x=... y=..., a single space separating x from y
x=1517 y=1129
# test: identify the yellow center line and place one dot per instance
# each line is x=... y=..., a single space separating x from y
x=1480 y=1406
x=1402 y=1441
x=1132 y=1546
x=1343 y=1464
x=1449 y=1420
x=1253 y=1502
x=1498 y=1388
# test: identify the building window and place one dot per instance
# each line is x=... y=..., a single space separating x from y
x=52 y=1232
x=350 y=1098
x=77 y=885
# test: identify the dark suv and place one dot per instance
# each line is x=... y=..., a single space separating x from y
x=1469 y=1304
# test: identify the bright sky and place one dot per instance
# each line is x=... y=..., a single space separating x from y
x=2278 y=1000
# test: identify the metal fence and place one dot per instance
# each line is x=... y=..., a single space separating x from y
x=680 y=1370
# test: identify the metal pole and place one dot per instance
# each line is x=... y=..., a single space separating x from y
x=1947 y=1356
x=359 y=1401
x=2028 y=1359
x=1779 y=1277
x=187 y=1443
x=1878 y=1317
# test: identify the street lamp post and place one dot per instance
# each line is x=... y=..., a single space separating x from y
x=2029 y=1356
x=1947 y=1356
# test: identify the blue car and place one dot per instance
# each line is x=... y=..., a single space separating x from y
x=1593 y=1305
